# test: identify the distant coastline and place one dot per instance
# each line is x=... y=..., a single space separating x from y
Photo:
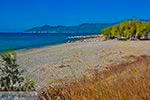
x=82 y=28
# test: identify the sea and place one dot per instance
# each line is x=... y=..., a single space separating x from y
x=23 y=41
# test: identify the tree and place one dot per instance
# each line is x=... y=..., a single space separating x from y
x=115 y=31
x=107 y=33
x=128 y=29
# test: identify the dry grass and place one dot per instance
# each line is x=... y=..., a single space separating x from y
x=129 y=81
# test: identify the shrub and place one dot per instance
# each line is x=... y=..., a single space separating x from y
x=128 y=29
x=11 y=74
x=29 y=85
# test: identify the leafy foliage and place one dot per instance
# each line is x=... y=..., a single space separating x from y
x=29 y=85
x=11 y=74
x=127 y=29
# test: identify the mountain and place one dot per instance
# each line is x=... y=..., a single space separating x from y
x=82 y=28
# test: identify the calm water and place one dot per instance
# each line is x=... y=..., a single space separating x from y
x=16 y=41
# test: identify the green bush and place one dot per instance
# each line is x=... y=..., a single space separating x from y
x=11 y=74
x=127 y=29
x=29 y=85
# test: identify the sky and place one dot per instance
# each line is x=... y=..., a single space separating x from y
x=19 y=15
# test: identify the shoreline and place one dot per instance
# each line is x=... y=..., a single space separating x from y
x=78 y=40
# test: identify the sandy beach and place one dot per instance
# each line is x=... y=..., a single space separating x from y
x=48 y=64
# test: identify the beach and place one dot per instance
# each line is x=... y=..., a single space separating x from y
x=72 y=60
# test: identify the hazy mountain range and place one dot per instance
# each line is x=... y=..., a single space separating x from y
x=82 y=28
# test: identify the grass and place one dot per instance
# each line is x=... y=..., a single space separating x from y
x=128 y=81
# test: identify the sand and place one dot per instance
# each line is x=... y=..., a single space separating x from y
x=72 y=60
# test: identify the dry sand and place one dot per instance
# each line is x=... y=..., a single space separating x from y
x=48 y=64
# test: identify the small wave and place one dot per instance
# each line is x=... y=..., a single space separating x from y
x=78 y=37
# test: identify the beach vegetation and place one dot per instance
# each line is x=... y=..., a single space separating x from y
x=126 y=81
x=11 y=74
x=129 y=30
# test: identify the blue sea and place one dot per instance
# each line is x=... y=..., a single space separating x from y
x=17 y=41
